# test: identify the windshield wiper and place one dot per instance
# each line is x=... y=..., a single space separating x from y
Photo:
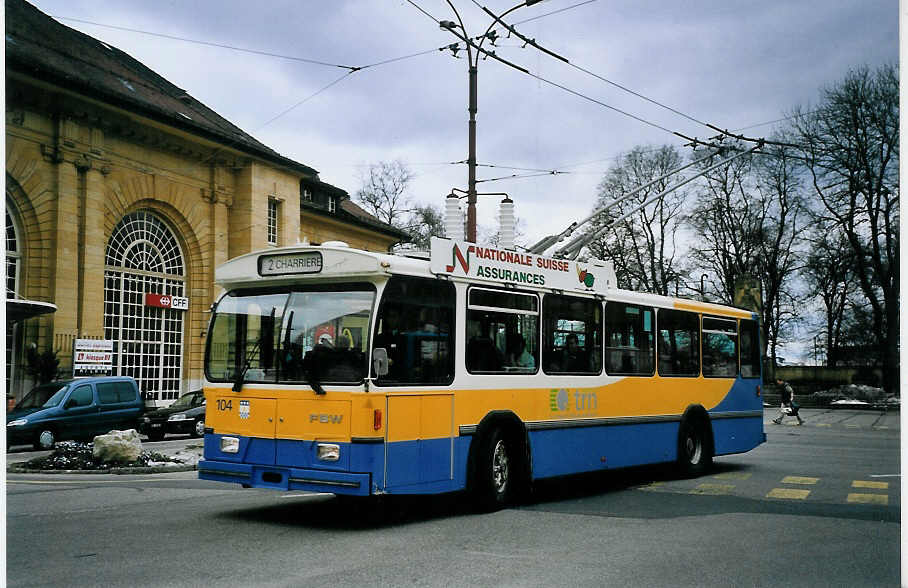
x=241 y=377
x=250 y=355
x=311 y=366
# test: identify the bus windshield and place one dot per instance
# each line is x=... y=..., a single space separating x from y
x=312 y=335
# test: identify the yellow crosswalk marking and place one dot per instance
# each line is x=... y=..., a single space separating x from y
x=868 y=498
x=867 y=484
x=799 y=480
x=788 y=493
x=652 y=486
x=713 y=489
x=733 y=476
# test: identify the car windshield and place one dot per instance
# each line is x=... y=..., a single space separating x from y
x=304 y=335
x=44 y=396
x=186 y=401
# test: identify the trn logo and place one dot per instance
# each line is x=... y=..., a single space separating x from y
x=559 y=400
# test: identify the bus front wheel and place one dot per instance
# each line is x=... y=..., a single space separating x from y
x=495 y=474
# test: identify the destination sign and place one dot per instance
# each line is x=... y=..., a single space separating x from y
x=518 y=268
x=282 y=264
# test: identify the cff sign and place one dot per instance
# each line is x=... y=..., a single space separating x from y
x=166 y=301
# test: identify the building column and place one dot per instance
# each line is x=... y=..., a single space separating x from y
x=93 y=245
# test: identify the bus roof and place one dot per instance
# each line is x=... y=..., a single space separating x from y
x=455 y=260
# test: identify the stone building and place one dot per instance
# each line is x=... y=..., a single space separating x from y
x=122 y=190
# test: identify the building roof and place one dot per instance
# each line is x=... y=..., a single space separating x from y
x=42 y=48
x=347 y=210
x=38 y=46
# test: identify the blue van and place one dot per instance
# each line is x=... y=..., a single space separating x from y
x=74 y=409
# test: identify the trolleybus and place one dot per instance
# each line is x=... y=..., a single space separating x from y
x=474 y=368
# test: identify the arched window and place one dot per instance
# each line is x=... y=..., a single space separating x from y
x=13 y=256
x=144 y=257
x=13 y=267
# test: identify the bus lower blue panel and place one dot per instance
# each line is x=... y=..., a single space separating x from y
x=424 y=466
x=282 y=478
x=737 y=435
x=559 y=452
x=252 y=450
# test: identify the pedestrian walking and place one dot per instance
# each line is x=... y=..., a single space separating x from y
x=788 y=406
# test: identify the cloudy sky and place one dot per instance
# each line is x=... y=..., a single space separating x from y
x=736 y=64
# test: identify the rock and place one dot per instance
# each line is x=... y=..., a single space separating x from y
x=118 y=446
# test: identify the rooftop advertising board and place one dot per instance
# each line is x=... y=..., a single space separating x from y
x=503 y=266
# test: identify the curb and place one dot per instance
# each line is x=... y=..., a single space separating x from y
x=18 y=469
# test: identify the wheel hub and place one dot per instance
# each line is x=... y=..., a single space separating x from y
x=500 y=467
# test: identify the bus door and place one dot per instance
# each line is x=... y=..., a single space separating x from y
x=419 y=443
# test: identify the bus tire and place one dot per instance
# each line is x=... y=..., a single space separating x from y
x=496 y=469
x=695 y=454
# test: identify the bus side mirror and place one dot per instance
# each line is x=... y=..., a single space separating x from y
x=380 y=361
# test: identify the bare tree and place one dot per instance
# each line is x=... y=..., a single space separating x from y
x=643 y=246
x=383 y=193
x=746 y=222
x=423 y=223
x=851 y=149
x=829 y=275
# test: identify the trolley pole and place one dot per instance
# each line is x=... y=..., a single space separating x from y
x=473 y=61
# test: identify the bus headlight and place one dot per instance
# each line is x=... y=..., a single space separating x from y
x=329 y=452
x=230 y=445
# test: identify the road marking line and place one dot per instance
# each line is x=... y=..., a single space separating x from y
x=788 y=493
x=733 y=476
x=652 y=486
x=868 y=499
x=885 y=475
x=822 y=425
x=866 y=484
x=881 y=427
x=799 y=480
x=853 y=426
x=713 y=489
x=71 y=482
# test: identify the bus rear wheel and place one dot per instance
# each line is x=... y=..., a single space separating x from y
x=694 y=450
x=495 y=473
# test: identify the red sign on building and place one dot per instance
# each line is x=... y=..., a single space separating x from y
x=166 y=301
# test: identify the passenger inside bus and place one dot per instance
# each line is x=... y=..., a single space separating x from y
x=518 y=356
x=482 y=354
x=571 y=358
x=391 y=338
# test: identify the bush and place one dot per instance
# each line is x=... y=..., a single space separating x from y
x=72 y=455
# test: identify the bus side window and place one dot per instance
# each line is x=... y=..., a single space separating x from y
x=415 y=326
x=502 y=331
x=750 y=349
x=679 y=342
x=629 y=339
x=572 y=335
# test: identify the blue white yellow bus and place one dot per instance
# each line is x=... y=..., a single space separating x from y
x=331 y=369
